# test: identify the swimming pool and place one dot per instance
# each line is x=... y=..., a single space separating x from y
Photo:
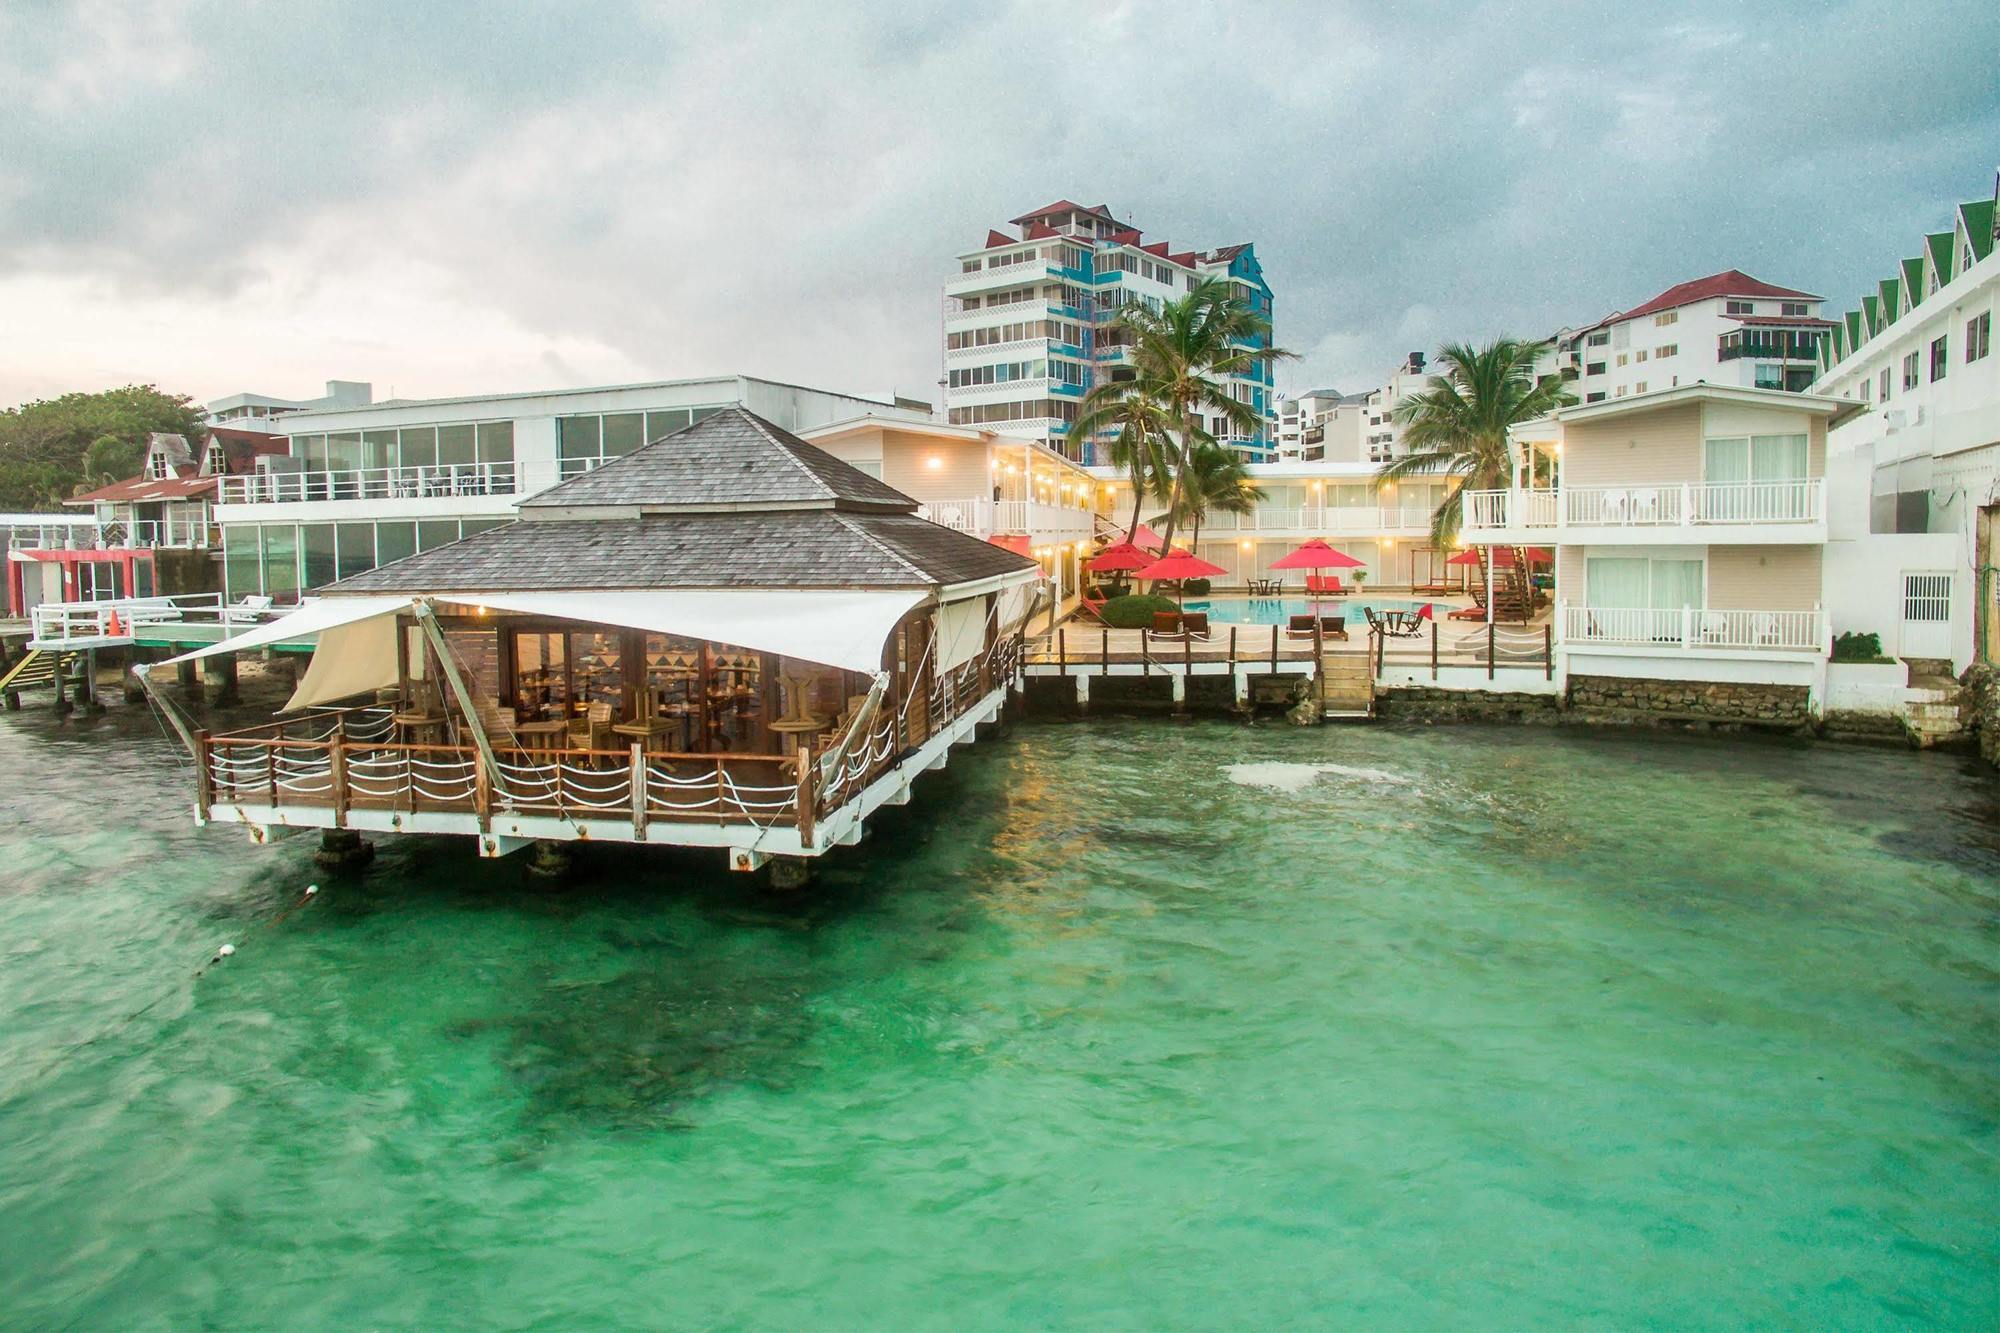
x=1279 y=610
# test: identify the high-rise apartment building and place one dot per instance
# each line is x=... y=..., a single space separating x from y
x=1027 y=323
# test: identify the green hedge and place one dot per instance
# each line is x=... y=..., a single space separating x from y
x=1134 y=612
x=1858 y=648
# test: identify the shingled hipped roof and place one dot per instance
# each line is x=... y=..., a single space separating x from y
x=730 y=502
x=732 y=460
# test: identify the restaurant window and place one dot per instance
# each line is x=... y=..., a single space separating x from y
x=378 y=449
x=468 y=526
x=623 y=432
x=394 y=541
x=735 y=701
x=316 y=553
x=704 y=413
x=456 y=446
x=281 y=562
x=343 y=451
x=666 y=423
x=242 y=575
x=672 y=686
x=578 y=440
x=496 y=442
x=435 y=532
x=420 y=447
x=354 y=549
x=541 y=677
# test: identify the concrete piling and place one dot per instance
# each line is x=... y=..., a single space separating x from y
x=219 y=680
x=343 y=849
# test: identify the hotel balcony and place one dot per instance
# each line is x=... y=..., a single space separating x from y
x=1030 y=269
x=1691 y=631
x=1737 y=512
x=441 y=490
x=1326 y=520
x=1043 y=524
x=121 y=534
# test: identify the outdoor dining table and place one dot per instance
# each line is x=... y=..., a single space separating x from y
x=542 y=735
x=650 y=731
x=1266 y=587
x=420 y=728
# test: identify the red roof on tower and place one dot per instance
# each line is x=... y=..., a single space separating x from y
x=1156 y=248
x=1731 y=282
x=994 y=238
x=1063 y=206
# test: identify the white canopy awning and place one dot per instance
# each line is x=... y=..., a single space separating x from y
x=305 y=623
x=833 y=628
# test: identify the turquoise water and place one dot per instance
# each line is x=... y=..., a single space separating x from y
x=1280 y=610
x=1419 y=1028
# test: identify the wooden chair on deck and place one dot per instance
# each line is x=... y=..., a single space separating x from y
x=592 y=731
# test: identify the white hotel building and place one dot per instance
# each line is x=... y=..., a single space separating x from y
x=1026 y=323
x=1919 y=545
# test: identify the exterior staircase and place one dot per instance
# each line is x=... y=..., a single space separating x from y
x=1932 y=711
x=1513 y=594
x=37 y=667
x=1346 y=687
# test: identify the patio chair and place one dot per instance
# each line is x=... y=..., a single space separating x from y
x=1168 y=625
x=1333 y=627
x=1613 y=505
x=1299 y=627
x=1326 y=585
x=1394 y=624
x=1645 y=506
x=1194 y=624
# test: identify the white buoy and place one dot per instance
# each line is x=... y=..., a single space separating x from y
x=311 y=889
x=225 y=951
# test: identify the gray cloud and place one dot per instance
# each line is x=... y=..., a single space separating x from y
x=781 y=189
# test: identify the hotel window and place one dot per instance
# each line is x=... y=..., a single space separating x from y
x=1594 y=368
x=1885 y=384
x=1979 y=337
x=1665 y=350
x=1623 y=357
x=1796 y=309
x=1739 y=308
x=969 y=266
x=1639 y=583
x=1640 y=387
x=1772 y=458
x=1910 y=380
x=1598 y=339
x=1769 y=377
x=1640 y=355
x=1940 y=358
x=1597 y=397
x=1670 y=317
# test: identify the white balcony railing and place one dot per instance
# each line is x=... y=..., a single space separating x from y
x=1692 y=629
x=1357 y=520
x=119 y=534
x=984 y=518
x=376 y=483
x=1665 y=505
x=61 y=624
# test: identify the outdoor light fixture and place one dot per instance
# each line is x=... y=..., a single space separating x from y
x=933 y=462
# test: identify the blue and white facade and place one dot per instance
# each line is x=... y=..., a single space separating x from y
x=1027 y=323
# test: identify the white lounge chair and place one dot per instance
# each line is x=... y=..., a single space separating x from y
x=1645 y=506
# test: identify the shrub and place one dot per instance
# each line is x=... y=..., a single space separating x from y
x=1858 y=648
x=1134 y=612
x=1196 y=587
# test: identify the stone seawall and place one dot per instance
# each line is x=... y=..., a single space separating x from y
x=1620 y=699
x=1982 y=701
x=1418 y=703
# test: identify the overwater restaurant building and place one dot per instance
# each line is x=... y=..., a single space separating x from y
x=726 y=638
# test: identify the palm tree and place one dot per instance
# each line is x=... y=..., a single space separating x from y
x=1458 y=427
x=1182 y=354
x=1216 y=482
x=1143 y=446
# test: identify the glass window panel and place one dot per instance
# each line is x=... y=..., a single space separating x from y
x=578 y=437
x=1676 y=583
x=469 y=526
x=1777 y=457
x=435 y=532
x=704 y=413
x=242 y=576
x=142 y=578
x=378 y=448
x=666 y=423
x=316 y=548
x=419 y=446
x=281 y=562
x=393 y=541
x=496 y=442
x=1615 y=582
x=1726 y=460
x=356 y=550
x=540 y=682
x=455 y=444
x=597 y=672
x=308 y=447
x=343 y=451
x=623 y=433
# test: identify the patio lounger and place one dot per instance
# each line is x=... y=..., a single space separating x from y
x=1299 y=627
x=1333 y=627
x=1469 y=613
x=1194 y=625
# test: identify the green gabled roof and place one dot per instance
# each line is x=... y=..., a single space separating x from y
x=1892 y=299
x=1854 y=335
x=1871 y=314
x=1913 y=280
x=1938 y=246
x=1978 y=217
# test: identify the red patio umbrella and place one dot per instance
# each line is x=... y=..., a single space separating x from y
x=1464 y=558
x=1316 y=554
x=1147 y=540
x=1179 y=565
x=1119 y=558
x=1541 y=555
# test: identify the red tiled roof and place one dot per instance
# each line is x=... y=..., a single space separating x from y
x=1185 y=259
x=1156 y=248
x=1129 y=236
x=1730 y=282
x=146 y=488
x=995 y=238
x=1036 y=231
x=1061 y=206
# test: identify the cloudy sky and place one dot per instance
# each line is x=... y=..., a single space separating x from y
x=225 y=196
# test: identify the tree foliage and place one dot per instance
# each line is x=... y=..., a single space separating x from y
x=1459 y=426
x=51 y=447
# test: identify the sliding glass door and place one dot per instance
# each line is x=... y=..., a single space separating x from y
x=1642 y=598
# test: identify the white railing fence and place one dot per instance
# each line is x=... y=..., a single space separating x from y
x=1668 y=504
x=58 y=623
x=1694 y=628
x=376 y=483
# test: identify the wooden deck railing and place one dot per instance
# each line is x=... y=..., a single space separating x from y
x=342 y=760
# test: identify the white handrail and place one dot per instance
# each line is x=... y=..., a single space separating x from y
x=1692 y=628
